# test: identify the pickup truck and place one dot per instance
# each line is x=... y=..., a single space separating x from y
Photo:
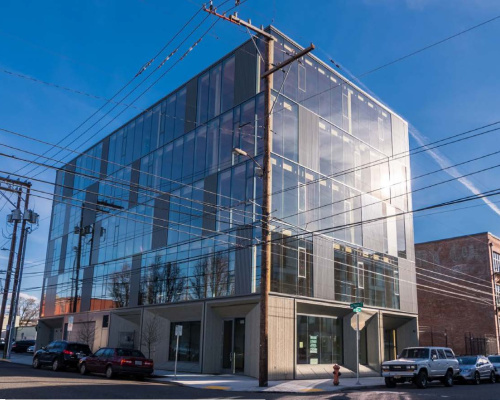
x=421 y=365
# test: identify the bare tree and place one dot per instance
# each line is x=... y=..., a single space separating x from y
x=211 y=277
x=199 y=281
x=163 y=283
x=151 y=333
x=219 y=275
x=119 y=287
x=29 y=310
x=86 y=332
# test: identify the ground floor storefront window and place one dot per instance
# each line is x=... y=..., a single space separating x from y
x=319 y=340
x=189 y=342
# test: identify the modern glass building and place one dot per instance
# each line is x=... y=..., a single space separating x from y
x=158 y=225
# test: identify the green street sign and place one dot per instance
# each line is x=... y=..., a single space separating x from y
x=356 y=305
x=356 y=310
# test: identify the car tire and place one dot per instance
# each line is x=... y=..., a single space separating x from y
x=109 y=372
x=36 y=363
x=477 y=378
x=448 y=379
x=493 y=377
x=421 y=380
x=390 y=383
x=56 y=365
x=83 y=369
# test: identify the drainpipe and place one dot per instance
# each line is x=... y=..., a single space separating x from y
x=495 y=305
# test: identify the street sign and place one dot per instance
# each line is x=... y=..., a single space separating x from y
x=70 y=323
x=356 y=305
x=356 y=310
x=178 y=330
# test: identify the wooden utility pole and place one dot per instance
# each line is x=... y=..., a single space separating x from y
x=10 y=264
x=13 y=186
x=16 y=287
x=265 y=274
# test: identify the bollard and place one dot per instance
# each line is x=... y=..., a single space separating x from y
x=336 y=374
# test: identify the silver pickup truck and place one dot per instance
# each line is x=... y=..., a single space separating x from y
x=421 y=365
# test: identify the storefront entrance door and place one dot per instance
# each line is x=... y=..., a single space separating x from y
x=233 y=346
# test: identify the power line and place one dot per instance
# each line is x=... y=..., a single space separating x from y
x=116 y=94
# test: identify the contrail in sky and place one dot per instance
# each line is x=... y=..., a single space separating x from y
x=443 y=162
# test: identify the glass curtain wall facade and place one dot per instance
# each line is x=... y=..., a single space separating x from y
x=336 y=171
x=163 y=201
x=170 y=214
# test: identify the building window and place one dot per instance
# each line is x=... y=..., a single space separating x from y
x=396 y=282
x=360 y=275
x=319 y=340
x=302 y=263
x=302 y=197
x=189 y=342
x=381 y=129
x=302 y=77
x=496 y=262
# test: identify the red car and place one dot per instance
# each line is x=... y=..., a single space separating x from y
x=117 y=361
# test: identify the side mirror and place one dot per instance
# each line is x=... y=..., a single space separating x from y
x=434 y=357
x=44 y=347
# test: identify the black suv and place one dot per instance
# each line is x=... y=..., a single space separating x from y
x=20 y=346
x=60 y=354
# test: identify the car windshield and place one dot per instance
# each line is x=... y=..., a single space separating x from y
x=415 y=353
x=79 y=348
x=129 y=353
x=494 y=359
x=466 y=360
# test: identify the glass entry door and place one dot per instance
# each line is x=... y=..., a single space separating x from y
x=233 y=346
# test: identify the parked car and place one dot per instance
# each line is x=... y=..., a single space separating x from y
x=60 y=354
x=421 y=365
x=475 y=368
x=31 y=349
x=495 y=361
x=21 y=346
x=117 y=361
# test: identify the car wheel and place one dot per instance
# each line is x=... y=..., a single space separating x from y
x=390 y=382
x=36 y=363
x=493 y=377
x=448 y=379
x=55 y=365
x=109 y=372
x=421 y=380
x=477 y=378
x=83 y=369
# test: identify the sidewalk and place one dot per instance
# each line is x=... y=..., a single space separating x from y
x=22 y=358
x=242 y=383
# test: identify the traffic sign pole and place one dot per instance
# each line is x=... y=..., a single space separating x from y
x=357 y=349
x=356 y=308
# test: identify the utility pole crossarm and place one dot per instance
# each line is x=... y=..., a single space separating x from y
x=288 y=61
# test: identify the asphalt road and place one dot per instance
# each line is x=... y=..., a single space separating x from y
x=23 y=382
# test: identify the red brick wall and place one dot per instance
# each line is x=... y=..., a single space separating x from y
x=445 y=318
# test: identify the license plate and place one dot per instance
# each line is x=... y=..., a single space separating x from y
x=397 y=376
x=138 y=363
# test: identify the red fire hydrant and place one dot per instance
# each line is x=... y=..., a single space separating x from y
x=336 y=374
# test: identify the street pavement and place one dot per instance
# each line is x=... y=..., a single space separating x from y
x=22 y=381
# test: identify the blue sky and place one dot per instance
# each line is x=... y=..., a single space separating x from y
x=97 y=46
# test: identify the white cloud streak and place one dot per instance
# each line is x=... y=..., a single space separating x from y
x=443 y=162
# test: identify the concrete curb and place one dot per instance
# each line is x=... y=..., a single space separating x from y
x=268 y=390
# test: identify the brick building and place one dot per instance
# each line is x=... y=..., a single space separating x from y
x=460 y=306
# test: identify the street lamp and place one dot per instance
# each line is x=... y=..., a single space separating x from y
x=240 y=152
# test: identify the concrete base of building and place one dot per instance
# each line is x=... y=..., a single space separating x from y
x=221 y=336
